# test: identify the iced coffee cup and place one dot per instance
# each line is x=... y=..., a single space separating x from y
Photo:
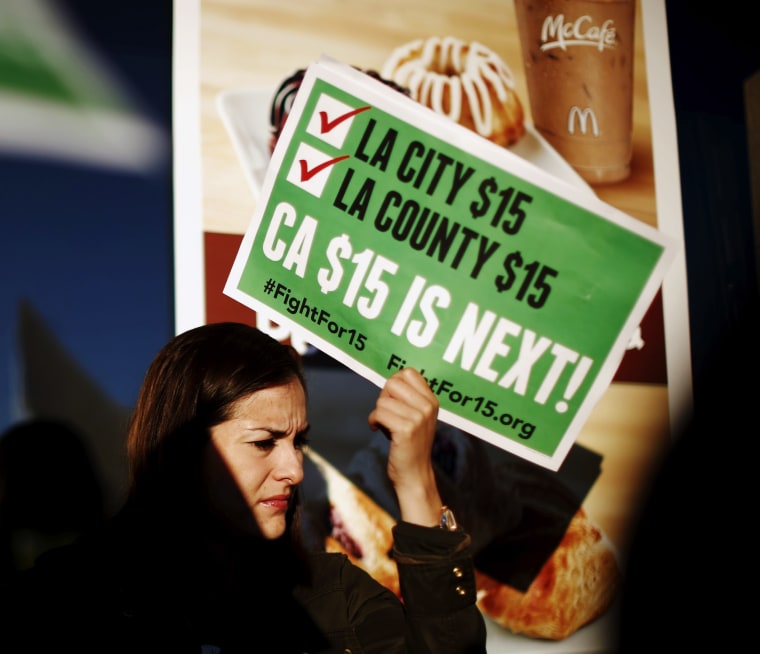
x=578 y=58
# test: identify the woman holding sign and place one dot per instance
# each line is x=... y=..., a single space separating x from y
x=206 y=554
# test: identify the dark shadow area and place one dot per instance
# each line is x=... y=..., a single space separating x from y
x=50 y=491
x=691 y=556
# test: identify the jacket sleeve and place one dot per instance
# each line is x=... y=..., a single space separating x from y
x=437 y=580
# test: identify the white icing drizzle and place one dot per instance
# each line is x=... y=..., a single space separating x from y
x=479 y=72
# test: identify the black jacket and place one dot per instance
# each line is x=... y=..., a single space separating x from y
x=116 y=594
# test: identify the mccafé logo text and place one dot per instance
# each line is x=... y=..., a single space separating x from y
x=556 y=33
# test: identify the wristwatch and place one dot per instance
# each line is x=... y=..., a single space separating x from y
x=448 y=520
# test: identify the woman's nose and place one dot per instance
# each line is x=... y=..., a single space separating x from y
x=290 y=465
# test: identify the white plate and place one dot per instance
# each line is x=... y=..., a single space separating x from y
x=245 y=113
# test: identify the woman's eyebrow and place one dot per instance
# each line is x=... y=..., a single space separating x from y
x=277 y=433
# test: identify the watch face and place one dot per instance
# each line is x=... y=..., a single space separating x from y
x=448 y=521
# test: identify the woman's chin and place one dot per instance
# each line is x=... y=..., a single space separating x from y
x=272 y=528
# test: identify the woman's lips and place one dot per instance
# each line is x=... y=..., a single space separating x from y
x=277 y=502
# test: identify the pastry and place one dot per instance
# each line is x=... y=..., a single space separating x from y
x=360 y=529
x=575 y=586
x=466 y=82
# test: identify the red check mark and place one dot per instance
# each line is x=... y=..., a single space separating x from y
x=328 y=125
x=307 y=174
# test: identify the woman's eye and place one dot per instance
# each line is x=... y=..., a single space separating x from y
x=301 y=442
x=266 y=445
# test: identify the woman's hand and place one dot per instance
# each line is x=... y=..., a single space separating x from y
x=407 y=413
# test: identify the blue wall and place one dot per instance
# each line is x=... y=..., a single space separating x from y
x=85 y=249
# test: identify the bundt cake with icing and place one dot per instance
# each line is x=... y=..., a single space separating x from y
x=466 y=82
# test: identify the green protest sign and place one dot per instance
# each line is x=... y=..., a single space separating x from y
x=395 y=237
